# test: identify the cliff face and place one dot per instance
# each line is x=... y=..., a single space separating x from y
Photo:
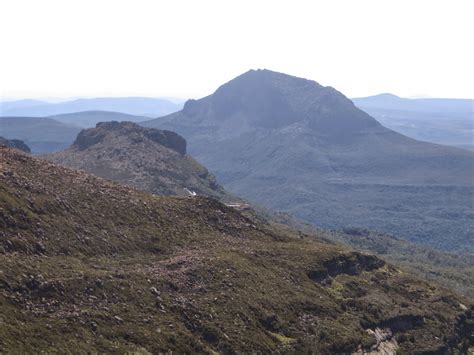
x=88 y=265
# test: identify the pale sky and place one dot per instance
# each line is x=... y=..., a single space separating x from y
x=63 y=48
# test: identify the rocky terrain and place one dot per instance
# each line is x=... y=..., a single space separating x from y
x=293 y=145
x=88 y=265
x=15 y=143
x=148 y=159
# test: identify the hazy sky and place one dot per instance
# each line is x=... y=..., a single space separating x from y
x=188 y=48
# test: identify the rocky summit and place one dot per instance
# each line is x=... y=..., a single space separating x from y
x=15 y=143
x=293 y=145
x=148 y=159
x=87 y=265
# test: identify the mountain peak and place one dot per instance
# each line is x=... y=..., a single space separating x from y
x=267 y=99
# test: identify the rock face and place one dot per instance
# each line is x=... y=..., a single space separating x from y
x=93 y=265
x=293 y=145
x=148 y=159
x=15 y=143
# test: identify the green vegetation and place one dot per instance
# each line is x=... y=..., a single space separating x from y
x=452 y=270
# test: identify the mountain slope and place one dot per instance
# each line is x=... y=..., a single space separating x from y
x=88 y=119
x=91 y=266
x=443 y=121
x=42 y=135
x=141 y=106
x=148 y=159
x=125 y=153
x=291 y=144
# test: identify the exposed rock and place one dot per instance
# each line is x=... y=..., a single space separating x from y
x=148 y=159
x=15 y=143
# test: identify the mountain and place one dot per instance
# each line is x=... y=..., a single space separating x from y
x=88 y=119
x=112 y=151
x=42 y=135
x=91 y=266
x=145 y=158
x=444 y=121
x=15 y=143
x=141 y=106
x=293 y=145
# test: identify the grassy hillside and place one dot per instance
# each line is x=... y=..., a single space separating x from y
x=91 y=266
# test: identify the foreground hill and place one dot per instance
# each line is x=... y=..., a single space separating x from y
x=291 y=144
x=91 y=266
x=87 y=119
x=42 y=135
x=444 y=121
x=145 y=158
x=141 y=106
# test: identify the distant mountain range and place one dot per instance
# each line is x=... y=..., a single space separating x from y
x=291 y=144
x=50 y=134
x=41 y=134
x=138 y=106
x=443 y=121
x=87 y=119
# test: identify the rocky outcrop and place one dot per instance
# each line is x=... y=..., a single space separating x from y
x=149 y=159
x=90 y=137
x=350 y=264
x=15 y=143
